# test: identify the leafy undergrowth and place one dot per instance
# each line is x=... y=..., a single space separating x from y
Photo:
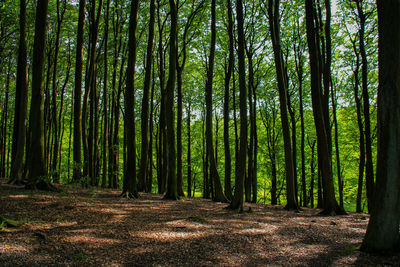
x=93 y=227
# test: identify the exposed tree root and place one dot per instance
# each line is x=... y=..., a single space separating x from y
x=6 y=223
x=42 y=185
x=127 y=194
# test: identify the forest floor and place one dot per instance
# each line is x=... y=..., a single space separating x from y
x=95 y=227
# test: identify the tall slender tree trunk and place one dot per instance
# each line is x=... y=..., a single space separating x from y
x=145 y=102
x=54 y=115
x=219 y=194
x=237 y=200
x=338 y=169
x=105 y=99
x=77 y=158
x=189 y=154
x=273 y=12
x=21 y=103
x=360 y=125
x=369 y=169
x=130 y=186
x=228 y=75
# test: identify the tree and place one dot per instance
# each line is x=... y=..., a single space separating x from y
x=105 y=99
x=319 y=102
x=172 y=185
x=237 y=200
x=21 y=103
x=228 y=73
x=219 y=194
x=383 y=232
x=273 y=16
x=36 y=165
x=369 y=170
x=130 y=186
x=143 y=175
x=77 y=158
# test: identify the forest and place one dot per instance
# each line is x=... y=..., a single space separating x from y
x=246 y=105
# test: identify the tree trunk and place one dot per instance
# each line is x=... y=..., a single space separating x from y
x=21 y=103
x=383 y=232
x=172 y=184
x=130 y=187
x=237 y=200
x=273 y=12
x=369 y=169
x=105 y=99
x=189 y=155
x=77 y=158
x=357 y=100
x=312 y=174
x=145 y=102
x=36 y=165
x=339 y=174
x=319 y=105
x=228 y=74
x=219 y=194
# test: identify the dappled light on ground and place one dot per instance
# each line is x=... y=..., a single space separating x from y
x=94 y=227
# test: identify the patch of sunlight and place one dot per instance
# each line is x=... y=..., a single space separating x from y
x=18 y=196
x=92 y=241
x=169 y=236
x=13 y=249
x=267 y=229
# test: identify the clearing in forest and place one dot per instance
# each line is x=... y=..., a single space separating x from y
x=93 y=227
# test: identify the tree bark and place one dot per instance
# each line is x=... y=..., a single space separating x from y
x=77 y=158
x=369 y=169
x=130 y=186
x=273 y=12
x=319 y=110
x=105 y=99
x=228 y=74
x=219 y=194
x=383 y=232
x=145 y=102
x=36 y=165
x=172 y=184
x=21 y=103
x=237 y=201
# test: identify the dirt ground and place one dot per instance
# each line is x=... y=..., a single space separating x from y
x=95 y=227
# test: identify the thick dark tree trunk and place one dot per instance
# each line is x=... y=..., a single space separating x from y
x=319 y=110
x=130 y=187
x=145 y=103
x=237 y=200
x=77 y=158
x=21 y=103
x=383 y=232
x=172 y=184
x=36 y=165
